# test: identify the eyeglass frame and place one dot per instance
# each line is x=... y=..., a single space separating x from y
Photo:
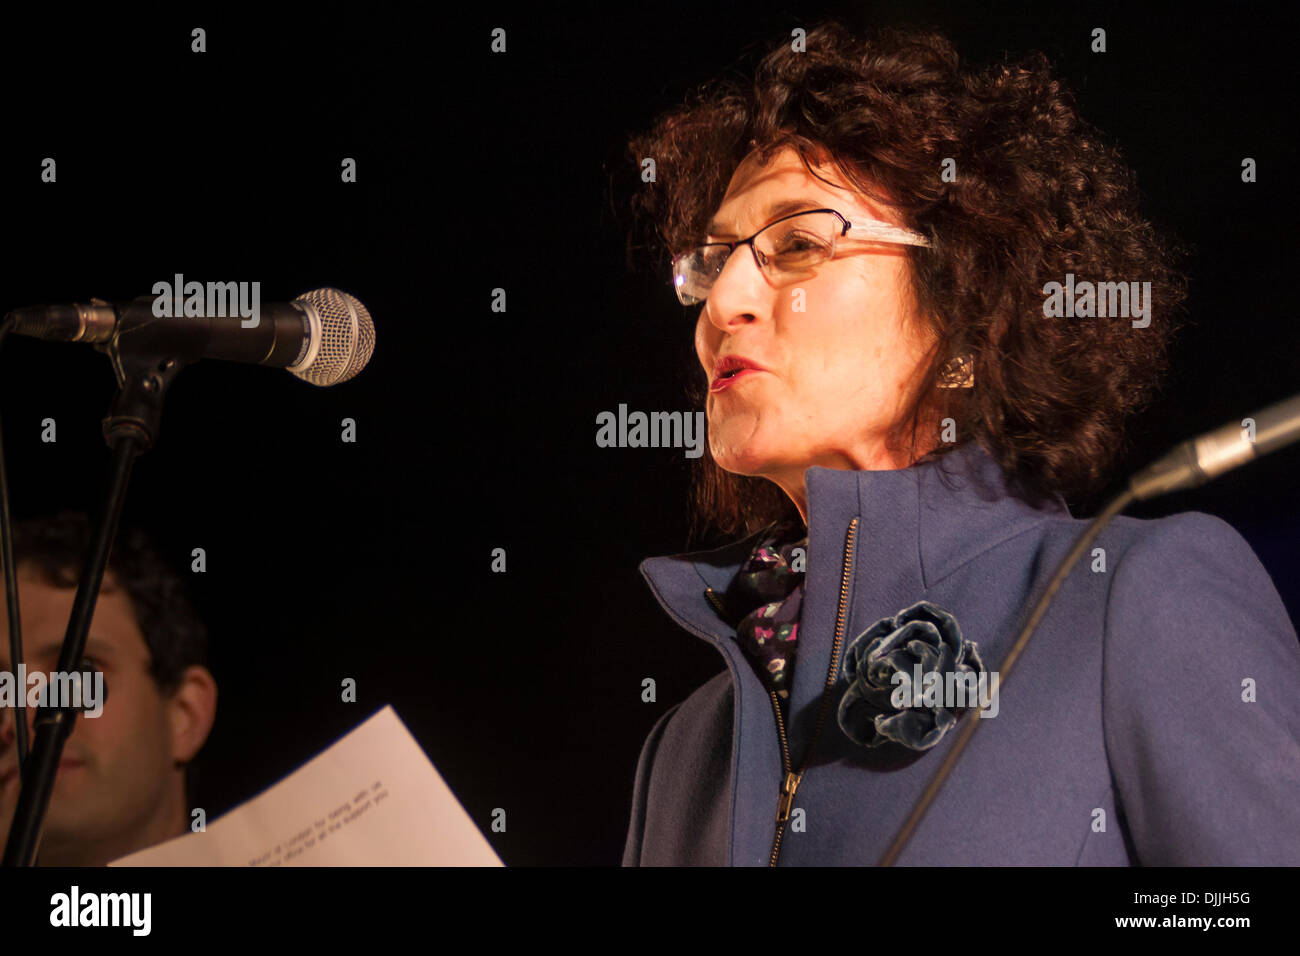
x=879 y=232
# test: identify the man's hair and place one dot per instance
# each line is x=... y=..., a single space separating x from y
x=56 y=547
x=1037 y=194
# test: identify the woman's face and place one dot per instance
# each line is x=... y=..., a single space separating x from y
x=834 y=376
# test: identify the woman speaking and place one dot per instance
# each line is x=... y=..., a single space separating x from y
x=926 y=305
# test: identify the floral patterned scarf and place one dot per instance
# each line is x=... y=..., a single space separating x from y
x=763 y=602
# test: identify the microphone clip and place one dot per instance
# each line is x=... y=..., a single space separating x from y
x=143 y=380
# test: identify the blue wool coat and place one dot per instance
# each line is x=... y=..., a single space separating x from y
x=1154 y=718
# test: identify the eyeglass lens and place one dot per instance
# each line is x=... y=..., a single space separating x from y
x=785 y=249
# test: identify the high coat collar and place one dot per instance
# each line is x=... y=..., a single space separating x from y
x=918 y=525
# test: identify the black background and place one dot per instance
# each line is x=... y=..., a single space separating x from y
x=476 y=429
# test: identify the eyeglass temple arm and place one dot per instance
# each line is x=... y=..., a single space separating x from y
x=887 y=233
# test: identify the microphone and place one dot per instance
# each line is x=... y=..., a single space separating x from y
x=1198 y=460
x=324 y=336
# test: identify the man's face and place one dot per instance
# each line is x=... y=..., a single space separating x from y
x=839 y=348
x=117 y=768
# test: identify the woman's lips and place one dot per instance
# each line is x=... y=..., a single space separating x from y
x=722 y=384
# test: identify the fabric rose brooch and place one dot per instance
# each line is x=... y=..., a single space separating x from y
x=910 y=677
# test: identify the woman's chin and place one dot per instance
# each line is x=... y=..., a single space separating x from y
x=745 y=460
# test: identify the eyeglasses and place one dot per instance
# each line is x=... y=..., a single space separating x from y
x=786 y=249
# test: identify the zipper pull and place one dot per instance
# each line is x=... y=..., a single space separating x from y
x=788 y=787
x=718 y=606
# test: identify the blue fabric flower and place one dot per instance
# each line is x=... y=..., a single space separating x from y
x=923 y=635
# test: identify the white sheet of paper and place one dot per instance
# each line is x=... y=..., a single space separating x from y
x=372 y=799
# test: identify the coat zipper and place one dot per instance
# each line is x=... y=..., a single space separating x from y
x=791 y=782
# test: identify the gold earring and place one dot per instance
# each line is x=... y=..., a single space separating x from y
x=958 y=372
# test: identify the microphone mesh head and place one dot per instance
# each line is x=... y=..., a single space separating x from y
x=343 y=337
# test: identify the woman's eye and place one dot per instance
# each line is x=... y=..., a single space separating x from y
x=796 y=244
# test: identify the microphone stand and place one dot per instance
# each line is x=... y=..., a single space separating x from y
x=143 y=377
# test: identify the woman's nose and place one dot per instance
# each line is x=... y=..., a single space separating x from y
x=739 y=291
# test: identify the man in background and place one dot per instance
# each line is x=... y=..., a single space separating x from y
x=122 y=781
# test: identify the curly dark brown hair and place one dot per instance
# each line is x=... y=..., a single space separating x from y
x=1037 y=194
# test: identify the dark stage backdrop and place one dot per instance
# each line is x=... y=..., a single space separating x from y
x=476 y=429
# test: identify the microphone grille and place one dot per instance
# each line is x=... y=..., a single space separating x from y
x=342 y=337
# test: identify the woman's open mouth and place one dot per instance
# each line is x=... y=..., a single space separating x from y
x=730 y=369
x=728 y=379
